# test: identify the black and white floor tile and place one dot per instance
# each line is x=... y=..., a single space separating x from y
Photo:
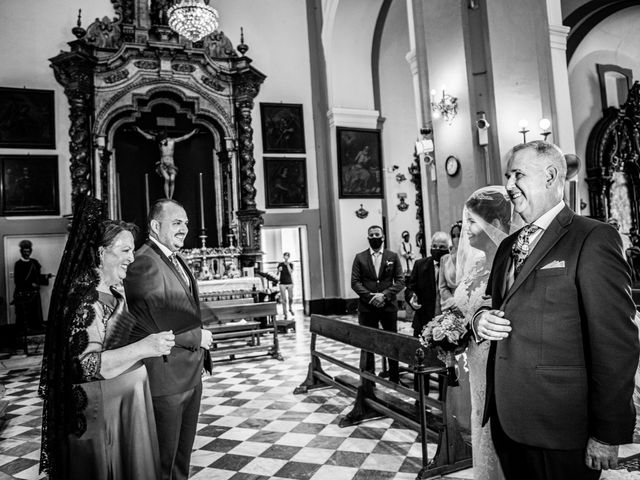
x=251 y=426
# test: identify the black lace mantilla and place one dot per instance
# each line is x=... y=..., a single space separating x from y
x=74 y=289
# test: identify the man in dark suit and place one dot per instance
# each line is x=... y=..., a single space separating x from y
x=160 y=286
x=376 y=276
x=564 y=349
x=422 y=288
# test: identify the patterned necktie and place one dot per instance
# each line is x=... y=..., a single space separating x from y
x=176 y=263
x=520 y=250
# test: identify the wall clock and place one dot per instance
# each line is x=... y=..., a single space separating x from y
x=452 y=165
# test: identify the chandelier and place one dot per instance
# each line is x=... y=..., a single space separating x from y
x=193 y=19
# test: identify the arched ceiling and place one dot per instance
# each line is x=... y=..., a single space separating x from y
x=584 y=16
x=348 y=33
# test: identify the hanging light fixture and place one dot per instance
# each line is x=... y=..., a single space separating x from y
x=193 y=19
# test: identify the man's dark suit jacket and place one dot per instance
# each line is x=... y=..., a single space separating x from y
x=423 y=283
x=154 y=287
x=566 y=371
x=365 y=282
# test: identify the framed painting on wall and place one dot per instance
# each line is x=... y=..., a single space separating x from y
x=282 y=128
x=359 y=163
x=286 y=183
x=27 y=118
x=29 y=185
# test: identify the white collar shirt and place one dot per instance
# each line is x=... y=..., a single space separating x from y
x=543 y=223
x=163 y=248
x=376 y=256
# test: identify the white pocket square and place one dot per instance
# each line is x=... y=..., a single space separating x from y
x=554 y=264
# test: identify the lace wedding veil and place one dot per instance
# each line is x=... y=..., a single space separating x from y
x=490 y=209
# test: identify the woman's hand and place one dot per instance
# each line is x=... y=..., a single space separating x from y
x=158 y=344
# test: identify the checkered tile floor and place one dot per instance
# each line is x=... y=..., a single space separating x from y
x=251 y=425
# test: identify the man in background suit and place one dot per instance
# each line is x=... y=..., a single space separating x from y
x=564 y=351
x=377 y=277
x=422 y=288
x=159 y=285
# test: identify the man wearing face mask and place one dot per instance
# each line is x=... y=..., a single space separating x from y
x=377 y=277
x=422 y=288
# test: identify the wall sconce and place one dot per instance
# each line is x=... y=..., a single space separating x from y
x=402 y=206
x=523 y=124
x=446 y=107
x=362 y=213
x=544 y=124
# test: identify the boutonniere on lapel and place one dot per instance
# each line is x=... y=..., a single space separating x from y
x=388 y=265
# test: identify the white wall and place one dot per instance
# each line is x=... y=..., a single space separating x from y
x=397 y=106
x=276 y=33
x=519 y=34
x=614 y=41
x=31 y=34
x=447 y=66
x=347 y=39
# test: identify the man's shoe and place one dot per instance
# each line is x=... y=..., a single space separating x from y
x=291 y=312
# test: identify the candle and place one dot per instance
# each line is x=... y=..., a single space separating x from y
x=201 y=191
x=119 y=197
x=146 y=190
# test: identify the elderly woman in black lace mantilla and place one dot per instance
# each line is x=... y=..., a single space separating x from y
x=103 y=425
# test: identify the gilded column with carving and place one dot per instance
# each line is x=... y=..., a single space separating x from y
x=249 y=217
x=74 y=71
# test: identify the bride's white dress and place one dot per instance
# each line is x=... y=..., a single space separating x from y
x=468 y=298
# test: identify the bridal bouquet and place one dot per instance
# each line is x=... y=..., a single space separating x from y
x=449 y=334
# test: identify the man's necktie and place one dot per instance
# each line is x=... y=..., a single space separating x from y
x=520 y=250
x=176 y=263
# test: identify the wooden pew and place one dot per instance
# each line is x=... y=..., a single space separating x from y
x=236 y=332
x=453 y=453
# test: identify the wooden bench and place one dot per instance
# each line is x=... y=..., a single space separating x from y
x=437 y=422
x=235 y=330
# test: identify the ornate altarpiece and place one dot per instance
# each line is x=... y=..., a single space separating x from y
x=120 y=69
x=613 y=164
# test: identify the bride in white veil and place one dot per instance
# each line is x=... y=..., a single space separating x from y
x=487 y=219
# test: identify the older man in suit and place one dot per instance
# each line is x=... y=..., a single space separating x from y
x=162 y=292
x=377 y=277
x=564 y=349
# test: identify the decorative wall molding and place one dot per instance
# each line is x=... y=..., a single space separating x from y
x=117 y=76
x=183 y=68
x=353 y=117
x=412 y=60
x=558 y=36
